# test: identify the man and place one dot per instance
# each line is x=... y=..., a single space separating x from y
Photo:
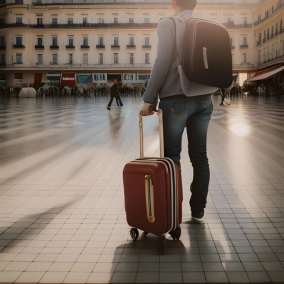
x=114 y=94
x=180 y=111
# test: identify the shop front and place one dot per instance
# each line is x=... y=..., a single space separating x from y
x=53 y=78
x=68 y=79
x=100 y=77
x=37 y=78
x=84 y=78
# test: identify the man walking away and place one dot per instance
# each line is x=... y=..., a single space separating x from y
x=114 y=94
x=192 y=112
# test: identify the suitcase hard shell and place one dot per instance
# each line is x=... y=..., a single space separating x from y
x=153 y=193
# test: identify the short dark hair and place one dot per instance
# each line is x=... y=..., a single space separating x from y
x=187 y=4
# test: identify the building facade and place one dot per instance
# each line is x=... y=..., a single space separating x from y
x=43 y=39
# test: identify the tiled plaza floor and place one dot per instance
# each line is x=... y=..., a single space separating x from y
x=62 y=206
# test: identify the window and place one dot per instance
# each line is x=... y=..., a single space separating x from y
x=147 y=58
x=85 y=41
x=19 y=58
x=115 y=20
x=115 y=58
x=115 y=41
x=272 y=9
x=147 y=41
x=70 y=58
x=268 y=53
x=85 y=58
x=54 y=21
x=54 y=40
x=244 y=55
x=54 y=59
x=101 y=58
x=281 y=25
x=101 y=20
x=39 y=41
x=101 y=40
x=131 y=40
x=70 y=41
x=272 y=54
x=259 y=56
x=3 y=58
x=259 y=37
x=232 y=58
x=276 y=29
x=131 y=58
x=259 y=18
x=19 y=76
x=245 y=40
x=131 y=20
x=85 y=20
x=272 y=31
x=268 y=34
x=146 y=20
x=231 y=41
x=19 y=40
x=276 y=49
x=39 y=21
x=264 y=35
x=39 y=59
x=264 y=55
x=19 y=20
x=70 y=21
x=245 y=20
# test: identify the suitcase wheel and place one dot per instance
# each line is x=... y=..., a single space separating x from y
x=161 y=245
x=176 y=234
x=134 y=234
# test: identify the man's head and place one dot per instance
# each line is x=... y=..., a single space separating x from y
x=182 y=5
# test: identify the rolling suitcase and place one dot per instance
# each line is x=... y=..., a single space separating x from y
x=153 y=193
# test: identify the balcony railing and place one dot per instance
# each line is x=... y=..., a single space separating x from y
x=146 y=46
x=70 y=46
x=232 y=25
x=72 y=2
x=115 y=46
x=53 y=62
x=84 y=26
x=279 y=5
x=85 y=46
x=100 y=46
x=131 y=46
x=243 y=65
x=258 y=43
x=244 y=46
x=54 y=47
x=18 y=46
x=279 y=58
x=39 y=46
x=39 y=63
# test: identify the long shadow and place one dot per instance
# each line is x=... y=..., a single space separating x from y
x=13 y=232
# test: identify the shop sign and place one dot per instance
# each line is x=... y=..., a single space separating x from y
x=129 y=77
x=143 y=77
x=99 y=77
x=68 y=79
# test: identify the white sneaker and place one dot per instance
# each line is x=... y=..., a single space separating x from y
x=194 y=220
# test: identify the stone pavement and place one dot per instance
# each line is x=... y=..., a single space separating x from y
x=62 y=206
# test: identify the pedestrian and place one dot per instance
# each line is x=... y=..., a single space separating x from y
x=114 y=94
x=180 y=111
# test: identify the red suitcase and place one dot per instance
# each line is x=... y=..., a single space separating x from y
x=153 y=194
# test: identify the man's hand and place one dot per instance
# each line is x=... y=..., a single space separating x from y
x=147 y=109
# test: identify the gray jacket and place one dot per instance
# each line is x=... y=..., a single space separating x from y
x=167 y=78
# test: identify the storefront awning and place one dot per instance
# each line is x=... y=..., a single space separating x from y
x=84 y=78
x=266 y=74
x=68 y=79
x=38 y=78
x=53 y=76
x=3 y=83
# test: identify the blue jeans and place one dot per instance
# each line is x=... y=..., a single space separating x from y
x=194 y=114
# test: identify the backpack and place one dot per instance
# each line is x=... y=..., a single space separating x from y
x=204 y=52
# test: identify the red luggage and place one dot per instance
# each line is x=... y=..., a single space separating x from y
x=153 y=194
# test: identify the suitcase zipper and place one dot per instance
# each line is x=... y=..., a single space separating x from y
x=149 y=190
x=205 y=58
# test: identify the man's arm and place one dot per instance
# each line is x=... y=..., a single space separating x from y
x=160 y=69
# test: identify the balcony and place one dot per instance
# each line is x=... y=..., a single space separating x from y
x=53 y=62
x=146 y=46
x=38 y=26
x=18 y=46
x=39 y=46
x=232 y=47
x=70 y=46
x=39 y=63
x=54 y=47
x=243 y=65
x=232 y=25
x=100 y=46
x=115 y=46
x=264 y=40
x=131 y=46
x=258 y=43
x=85 y=46
x=244 y=46
x=281 y=31
x=19 y=62
x=2 y=47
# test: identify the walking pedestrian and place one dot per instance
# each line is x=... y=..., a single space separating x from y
x=114 y=94
x=192 y=112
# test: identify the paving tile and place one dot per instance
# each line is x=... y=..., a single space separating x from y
x=258 y=277
x=216 y=277
x=76 y=277
x=100 y=277
x=147 y=277
x=9 y=276
x=53 y=277
x=194 y=277
x=233 y=266
x=123 y=277
x=170 y=277
x=30 y=277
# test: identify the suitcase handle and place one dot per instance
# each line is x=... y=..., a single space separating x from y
x=161 y=134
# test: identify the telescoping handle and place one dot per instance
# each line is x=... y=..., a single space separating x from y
x=161 y=134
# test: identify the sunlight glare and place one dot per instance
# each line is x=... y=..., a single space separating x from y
x=240 y=129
